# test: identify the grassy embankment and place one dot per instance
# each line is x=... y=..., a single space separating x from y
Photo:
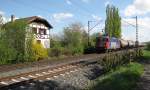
x=123 y=78
x=146 y=54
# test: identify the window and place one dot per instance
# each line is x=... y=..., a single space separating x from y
x=34 y=30
x=42 y=31
x=38 y=41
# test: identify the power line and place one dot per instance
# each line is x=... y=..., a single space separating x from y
x=95 y=25
x=129 y=23
x=136 y=27
x=82 y=8
x=89 y=29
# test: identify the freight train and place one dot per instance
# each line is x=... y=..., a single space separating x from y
x=105 y=43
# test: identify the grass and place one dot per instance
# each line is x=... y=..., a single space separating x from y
x=123 y=78
x=146 y=54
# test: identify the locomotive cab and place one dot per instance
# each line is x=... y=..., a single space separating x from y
x=102 y=43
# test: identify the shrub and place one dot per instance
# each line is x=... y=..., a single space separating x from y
x=148 y=46
x=76 y=50
x=7 y=54
x=14 y=34
x=55 y=51
x=39 y=52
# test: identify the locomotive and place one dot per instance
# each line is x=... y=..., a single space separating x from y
x=105 y=43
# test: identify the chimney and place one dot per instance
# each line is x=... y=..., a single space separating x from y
x=12 y=18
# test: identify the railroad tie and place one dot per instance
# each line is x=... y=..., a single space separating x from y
x=22 y=87
x=55 y=76
x=63 y=67
x=15 y=80
x=50 y=71
x=62 y=74
x=24 y=78
x=49 y=78
x=39 y=74
x=72 y=71
x=4 y=83
x=67 y=73
x=45 y=73
x=32 y=76
x=59 y=68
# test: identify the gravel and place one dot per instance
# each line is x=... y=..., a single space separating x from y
x=77 y=79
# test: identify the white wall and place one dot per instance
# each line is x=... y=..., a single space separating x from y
x=45 y=42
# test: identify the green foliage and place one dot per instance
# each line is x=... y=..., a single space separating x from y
x=113 y=22
x=73 y=38
x=113 y=60
x=7 y=53
x=93 y=39
x=146 y=54
x=124 y=78
x=72 y=42
x=148 y=46
x=38 y=51
x=56 y=48
x=12 y=41
x=14 y=33
x=28 y=56
x=16 y=44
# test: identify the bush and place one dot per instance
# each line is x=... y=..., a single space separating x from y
x=55 y=51
x=13 y=34
x=148 y=46
x=39 y=52
x=76 y=50
x=7 y=54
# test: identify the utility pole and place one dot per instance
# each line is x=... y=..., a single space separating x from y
x=89 y=29
x=137 y=42
x=88 y=33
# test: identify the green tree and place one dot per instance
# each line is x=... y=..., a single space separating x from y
x=93 y=39
x=73 y=38
x=15 y=35
x=148 y=46
x=113 y=22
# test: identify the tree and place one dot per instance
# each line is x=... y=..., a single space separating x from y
x=113 y=22
x=14 y=35
x=73 y=38
x=93 y=39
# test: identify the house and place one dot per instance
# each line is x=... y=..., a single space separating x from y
x=40 y=27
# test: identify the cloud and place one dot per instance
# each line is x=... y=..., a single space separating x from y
x=95 y=17
x=138 y=7
x=143 y=29
x=62 y=16
x=2 y=13
x=68 y=2
x=107 y=3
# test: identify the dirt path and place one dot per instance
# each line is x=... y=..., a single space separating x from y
x=144 y=82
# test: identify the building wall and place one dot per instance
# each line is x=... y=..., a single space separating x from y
x=40 y=35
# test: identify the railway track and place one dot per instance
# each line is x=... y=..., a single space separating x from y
x=7 y=83
x=47 y=74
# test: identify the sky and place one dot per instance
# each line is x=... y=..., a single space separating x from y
x=61 y=13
